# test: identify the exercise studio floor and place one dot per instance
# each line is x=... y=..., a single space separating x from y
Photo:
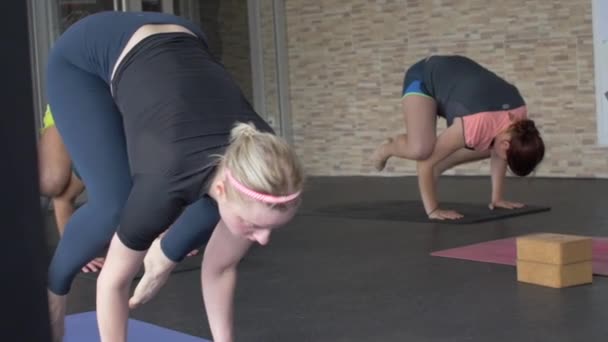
x=335 y=279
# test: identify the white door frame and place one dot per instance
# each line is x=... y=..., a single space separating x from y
x=280 y=34
x=256 y=57
x=258 y=68
x=600 y=53
x=40 y=45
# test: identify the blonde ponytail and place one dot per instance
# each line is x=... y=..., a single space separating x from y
x=262 y=162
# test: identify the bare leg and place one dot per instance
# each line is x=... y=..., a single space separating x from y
x=158 y=269
x=459 y=157
x=420 y=117
x=54 y=163
x=64 y=207
x=65 y=203
x=57 y=305
x=59 y=182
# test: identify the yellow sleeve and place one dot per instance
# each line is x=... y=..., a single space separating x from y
x=48 y=120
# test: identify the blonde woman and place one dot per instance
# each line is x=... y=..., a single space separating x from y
x=161 y=135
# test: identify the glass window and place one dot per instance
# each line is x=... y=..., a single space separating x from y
x=226 y=25
x=68 y=12
x=48 y=19
x=152 y=5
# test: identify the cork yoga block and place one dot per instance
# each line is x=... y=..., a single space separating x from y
x=557 y=249
x=556 y=276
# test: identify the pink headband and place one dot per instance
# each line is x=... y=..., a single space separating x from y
x=260 y=196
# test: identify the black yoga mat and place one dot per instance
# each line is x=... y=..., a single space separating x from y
x=188 y=264
x=413 y=211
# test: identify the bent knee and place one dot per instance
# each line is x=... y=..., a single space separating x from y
x=53 y=182
x=54 y=164
x=421 y=151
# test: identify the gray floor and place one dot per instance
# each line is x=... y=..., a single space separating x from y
x=328 y=279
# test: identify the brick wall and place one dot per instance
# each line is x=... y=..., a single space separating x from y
x=347 y=59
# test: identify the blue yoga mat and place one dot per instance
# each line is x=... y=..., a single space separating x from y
x=83 y=327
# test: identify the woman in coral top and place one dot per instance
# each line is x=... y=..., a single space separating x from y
x=486 y=118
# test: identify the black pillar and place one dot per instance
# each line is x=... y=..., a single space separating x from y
x=22 y=241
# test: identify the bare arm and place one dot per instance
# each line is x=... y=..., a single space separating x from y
x=148 y=211
x=498 y=168
x=218 y=276
x=450 y=141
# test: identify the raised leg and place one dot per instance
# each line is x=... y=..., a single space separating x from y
x=420 y=117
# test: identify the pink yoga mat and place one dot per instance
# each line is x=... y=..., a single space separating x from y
x=504 y=252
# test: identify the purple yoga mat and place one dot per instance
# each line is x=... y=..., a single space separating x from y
x=83 y=327
x=504 y=252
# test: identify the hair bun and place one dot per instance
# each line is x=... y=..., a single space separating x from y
x=527 y=127
x=243 y=130
x=531 y=128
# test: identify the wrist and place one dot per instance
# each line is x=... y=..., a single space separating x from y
x=496 y=196
x=433 y=209
x=225 y=338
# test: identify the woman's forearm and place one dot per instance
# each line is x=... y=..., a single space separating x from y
x=218 y=294
x=113 y=286
x=427 y=186
x=498 y=169
x=63 y=210
x=218 y=276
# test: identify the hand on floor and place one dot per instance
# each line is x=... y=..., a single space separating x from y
x=94 y=265
x=505 y=204
x=440 y=214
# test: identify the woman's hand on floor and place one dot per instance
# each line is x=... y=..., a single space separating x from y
x=441 y=214
x=505 y=204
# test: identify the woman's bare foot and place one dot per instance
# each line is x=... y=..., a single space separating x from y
x=381 y=156
x=94 y=265
x=57 y=305
x=157 y=270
